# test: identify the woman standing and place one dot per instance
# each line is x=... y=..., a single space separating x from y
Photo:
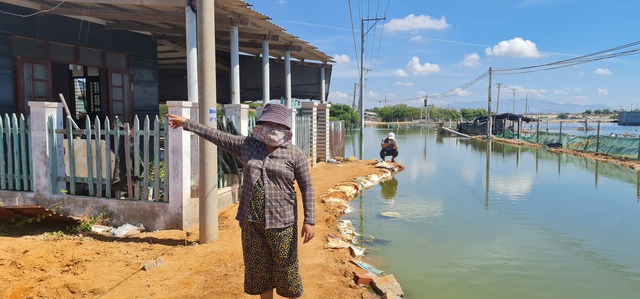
x=268 y=208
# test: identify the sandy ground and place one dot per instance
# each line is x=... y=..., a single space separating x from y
x=97 y=266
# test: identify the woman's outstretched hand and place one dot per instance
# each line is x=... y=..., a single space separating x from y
x=175 y=121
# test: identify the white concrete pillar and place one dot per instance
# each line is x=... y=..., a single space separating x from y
x=311 y=109
x=238 y=114
x=323 y=86
x=292 y=121
x=195 y=154
x=324 y=151
x=235 y=65
x=266 y=83
x=182 y=207
x=42 y=157
x=192 y=55
x=287 y=78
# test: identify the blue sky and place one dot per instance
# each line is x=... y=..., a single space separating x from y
x=436 y=48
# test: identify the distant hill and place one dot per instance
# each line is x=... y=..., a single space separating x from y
x=535 y=107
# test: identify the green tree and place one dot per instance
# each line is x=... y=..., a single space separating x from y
x=441 y=114
x=471 y=113
x=345 y=113
x=588 y=112
x=398 y=112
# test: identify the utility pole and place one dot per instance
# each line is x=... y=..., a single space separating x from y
x=207 y=114
x=385 y=101
x=361 y=105
x=526 y=105
x=426 y=107
x=498 y=98
x=353 y=105
x=514 y=100
x=489 y=120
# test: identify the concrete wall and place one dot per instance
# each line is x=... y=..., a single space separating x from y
x=153 y=215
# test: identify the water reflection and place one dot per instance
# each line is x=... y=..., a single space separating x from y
x=389 y=189
x=522 y=185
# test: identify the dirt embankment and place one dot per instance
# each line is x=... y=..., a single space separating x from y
x=96 y=266
x=626 y=162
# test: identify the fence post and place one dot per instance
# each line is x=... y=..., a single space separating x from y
x=538 y=131
x=239 y=115
x=311 y=109
x=183 y=210
x=41 y=156
x=598 y=139
x=293 y=112
x=560 y=134
x=324 y=153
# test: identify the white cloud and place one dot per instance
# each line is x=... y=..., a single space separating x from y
x=512 y=187
x=471 y=60
x=416 y=39
x=341 y=58
x=456 y=92
x=461 y=92
x=413 y=22
x=400 y=73
x=567 y=90
x=603 y=92
x=515 y=47
x=400 y=83
x=604 y=72
x=338 y=95
x=416 y=68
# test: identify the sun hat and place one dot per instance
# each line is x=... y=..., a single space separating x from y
x=391 y=136
x=275 y=113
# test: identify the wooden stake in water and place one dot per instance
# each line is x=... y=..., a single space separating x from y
x=598 y=139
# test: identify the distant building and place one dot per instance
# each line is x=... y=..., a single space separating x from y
x=370 y=115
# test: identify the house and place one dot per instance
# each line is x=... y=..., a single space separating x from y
x=124 y=58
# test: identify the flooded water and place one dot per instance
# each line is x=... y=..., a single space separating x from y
x=488 y=220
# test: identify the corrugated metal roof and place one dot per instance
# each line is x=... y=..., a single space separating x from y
x=165 y=20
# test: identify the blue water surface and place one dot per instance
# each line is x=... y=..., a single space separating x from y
x=489 y=220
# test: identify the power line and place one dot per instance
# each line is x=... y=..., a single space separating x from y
x=600 y=55
x=353 y=33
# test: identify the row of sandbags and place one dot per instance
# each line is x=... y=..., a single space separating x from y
x=337 y=200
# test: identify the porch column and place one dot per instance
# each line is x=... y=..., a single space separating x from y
x=310 y=109
x=266 y=84
x=192 y=55
x=238 y=114
x=43 y=171
x=235 y=66
x=324 y=153
x=323 y=86
x=183 y=210
x=287 y=78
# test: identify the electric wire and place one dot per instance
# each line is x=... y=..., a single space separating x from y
x=353 y=33
x=381 y=35
x=600 y=55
